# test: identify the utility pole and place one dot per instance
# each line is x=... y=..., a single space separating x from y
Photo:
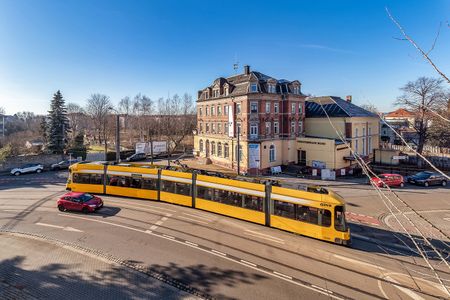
x=117 y=137
x=238 y=150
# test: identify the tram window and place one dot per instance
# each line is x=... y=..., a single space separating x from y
x=149 y=184
x=81 y=178
x=339 y=219
x=326 y=217
x=113 y=180
x=284 y=209
x=96 y=179
x=308 y=214
x=168 y=186
x=124 y=181
x=136 y=183
x=204 y=193
x=253 y=202
x=183 y=188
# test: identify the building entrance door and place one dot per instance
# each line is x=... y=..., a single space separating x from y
x=301 y=157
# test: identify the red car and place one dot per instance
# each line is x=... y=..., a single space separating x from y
x=83 y=202
x=389 y=180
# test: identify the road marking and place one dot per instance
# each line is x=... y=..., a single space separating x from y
x=248 y=263
x=190 y=243
x=285 y=277
x=147 y=209
x=168 y=236
x=198 y=216
x=357 y=262
x=321 y=288
x=193 y=220
x=65 y=228
x=153 y=227
x=272 y=239
x=404 y=290
x=266 y=235
x=218 y=252
x=141 y=205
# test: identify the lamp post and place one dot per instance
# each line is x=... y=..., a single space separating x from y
x=117 y=134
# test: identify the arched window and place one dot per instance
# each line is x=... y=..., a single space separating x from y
x=272 y=154
x=219 y=149
x=213 y=148
x=207 y=148
x=200 y=145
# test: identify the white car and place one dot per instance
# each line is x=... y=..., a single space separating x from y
x=28 y=168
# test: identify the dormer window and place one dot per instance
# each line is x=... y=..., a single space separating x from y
x=206 y=95
x=226 y=91
x=296 y=90
x=216 y=93
x=253 y=87
x=272 y=88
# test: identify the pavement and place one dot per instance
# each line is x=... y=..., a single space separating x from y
x=208 y=255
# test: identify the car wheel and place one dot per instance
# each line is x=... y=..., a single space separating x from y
x=426 y=184
x=402 y=185
x=17 y=173
x=61 y=207
x=444 y=183
x=84 y=210
x=38 y=170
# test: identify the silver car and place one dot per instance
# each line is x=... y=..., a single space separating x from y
x=28 y=168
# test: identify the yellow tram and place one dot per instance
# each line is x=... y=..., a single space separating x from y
x=317 y=215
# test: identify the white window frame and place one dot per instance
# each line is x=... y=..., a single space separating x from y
x=200 y=111
x=225 y=110
x=268 y=108
x=292 y=127
x=268 y=127
x=276 y=127
x=254 y=130
x=255 y=104
x=300 y=109
x=219 y=110
x=300 y=127
x=293 y=108
x=253 y=87
x=212 y=110
x=213 y=128
x=272 y=153
x=219 y=127
x=276 y=108
x=238 y=108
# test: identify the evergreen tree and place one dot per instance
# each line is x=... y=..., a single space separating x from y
x=58 y=124
x=43 y=130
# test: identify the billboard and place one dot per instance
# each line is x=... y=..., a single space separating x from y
x=253 y=156
x=158 y=147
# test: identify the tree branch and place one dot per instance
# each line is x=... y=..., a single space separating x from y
x=425 y=55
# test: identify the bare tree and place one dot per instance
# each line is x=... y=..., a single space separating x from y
x=370 y=107
x=124 y=108
x=97 y=108
x=419 y=96
x=2 y=111
x=76 y=116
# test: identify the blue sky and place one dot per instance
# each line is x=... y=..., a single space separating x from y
x=121 y=48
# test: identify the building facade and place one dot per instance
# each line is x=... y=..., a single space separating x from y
x=249 y=121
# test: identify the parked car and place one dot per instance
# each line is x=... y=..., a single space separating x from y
x=63 y=164
x=388 y=180
x=428 y=178
x=83 y=202
x=28 y=168
x=136 y=157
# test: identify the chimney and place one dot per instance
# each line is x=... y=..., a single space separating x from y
x=246 y=69
x=349 y=98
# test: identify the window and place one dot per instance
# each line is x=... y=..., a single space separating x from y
x=272 y=154
x=238 y=108
x=302 y=213
x=226 y=91
x=339 y=219
x=292 y=127
x=238 y=154
x=254 y=130
x=296 y=90
x=225 y=128
x=200 y=145
x=275 y=128
x=206 y=111
x=238 y=128
x=176 y=187
x=207 y=127
x=272 y=88
x=293 y=108
x=219 y=110
x=226 y=150
x=253 y=87
x=121 y=181
x=370 y=139
x=219 y=149
x=356 y=145
x=300 y=109
x=253 y=107
x=216 y=93
x=200 y=111
x=300 y=127
x=200 y=127
x=275 y=108
x=212 y=110
x=213 y=128
x=206 y=95
x=213 y=148
x=219 y=127
x=267 y=107
x=225 y=110
x=87 y=178
x=268 y=126
x=230 y=198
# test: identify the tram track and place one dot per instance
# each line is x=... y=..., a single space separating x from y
x=290 y=267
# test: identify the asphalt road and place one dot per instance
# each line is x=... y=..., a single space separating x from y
x=213 y=256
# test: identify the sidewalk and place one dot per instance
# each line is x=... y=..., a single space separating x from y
x=33 y=268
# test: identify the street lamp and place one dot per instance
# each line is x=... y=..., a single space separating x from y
x=117 y=134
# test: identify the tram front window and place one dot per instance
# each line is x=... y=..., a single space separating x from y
x=339 y=219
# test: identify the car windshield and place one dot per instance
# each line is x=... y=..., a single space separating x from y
x=85 y=197
x=422 y=175
x=62 y=162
